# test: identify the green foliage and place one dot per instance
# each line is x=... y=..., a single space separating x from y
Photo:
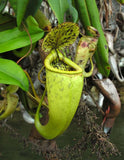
x=89 y=15
x=6 y=22
x=61 y=36
x=101 y=55
x=14 y=38
x=24 y=8
x=21 y=9
x=62 y=7
x=22 y=51
x=72 y=12
x=2 y=5
x=11 y=73
x=83 y=14
x=32 y=7
x=59 y=7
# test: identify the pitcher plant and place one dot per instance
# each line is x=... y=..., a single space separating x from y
x=9 y=102
x=64 y=78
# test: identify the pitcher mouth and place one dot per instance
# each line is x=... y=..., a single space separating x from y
x=53 y=56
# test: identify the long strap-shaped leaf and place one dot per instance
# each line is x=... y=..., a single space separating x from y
x=59 y=7
x=83 y=14
x=101 y=55
x=21 y=9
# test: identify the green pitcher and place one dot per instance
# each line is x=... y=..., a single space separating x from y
x=64 y=86
x=64 y=90
x=9 y=103
x=85 y=50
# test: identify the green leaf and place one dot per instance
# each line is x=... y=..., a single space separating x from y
x=2 y=5
x=26 y=8
x=32 y=7
x=59 y=7
x=22 y=51
x=81 y=7
x=72 y=12
x=11 y=73
x=21 y=9
x=101 y=55
x=13 y=4
x=61 y=36
x=5 y=18
x=14 y=38
x=6 y=22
